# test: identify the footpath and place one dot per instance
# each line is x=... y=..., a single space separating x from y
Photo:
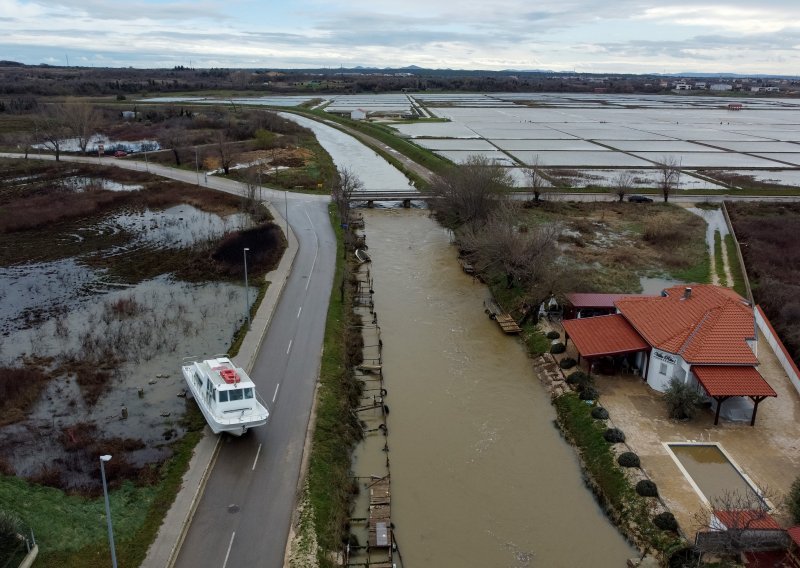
x=164 y=550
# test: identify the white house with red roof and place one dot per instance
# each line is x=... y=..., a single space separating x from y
x=703 y=335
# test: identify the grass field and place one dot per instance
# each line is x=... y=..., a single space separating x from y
x=609 y=246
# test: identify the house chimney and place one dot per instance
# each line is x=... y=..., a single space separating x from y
x=687 y=293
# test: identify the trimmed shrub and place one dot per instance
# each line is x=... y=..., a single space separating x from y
x=558 y=348
x=614 y=436
x=628 y=459
x=647 y=488
x=553 y=334
x=599 y=413
x=567 y=363
x=589 y=393
x=578 y=378
x=666 y=521
x=793 y=500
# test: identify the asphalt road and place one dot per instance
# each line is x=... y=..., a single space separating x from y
x=244 y=516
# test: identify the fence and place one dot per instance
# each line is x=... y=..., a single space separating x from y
x=738 y=253
x=778 y=348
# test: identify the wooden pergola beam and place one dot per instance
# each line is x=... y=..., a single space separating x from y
x=720 y=400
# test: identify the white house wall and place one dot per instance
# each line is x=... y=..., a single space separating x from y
x=663 y=367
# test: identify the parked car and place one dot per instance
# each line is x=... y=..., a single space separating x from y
x=120 y=154
x=639 y=199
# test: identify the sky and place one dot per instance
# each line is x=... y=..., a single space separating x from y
x=590 y=36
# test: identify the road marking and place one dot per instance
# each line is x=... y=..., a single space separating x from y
x=274 y=396
x=227 y=554
x=255 y=461
x=290 y=346
x=300 y=310
x=316 y=250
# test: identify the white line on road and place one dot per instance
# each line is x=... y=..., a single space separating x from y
x=255 y=461
x=274 y=396
x=227 y=554
x=290 y=346
x=300 y=310
x=316 y=251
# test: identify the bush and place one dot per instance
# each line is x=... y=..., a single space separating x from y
x=558 y=348
x=682 y=400
x=589 y=393
x=793 y=500
x=578 y=379
x=628 y=459
x=666 y=521
x=647 y=488
x=599 y=413
x=553 y=334
x=537 y=343
x=614 y=436
x=567 y=363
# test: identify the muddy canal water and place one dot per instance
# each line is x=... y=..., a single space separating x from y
x=480 y=476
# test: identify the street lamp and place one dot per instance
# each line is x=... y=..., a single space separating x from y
x=246 y=289
x=196 y=165
x=103 y=459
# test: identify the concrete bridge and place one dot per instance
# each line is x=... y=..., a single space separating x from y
x=406 y=197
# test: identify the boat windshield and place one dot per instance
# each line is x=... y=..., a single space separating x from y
x=235 y=394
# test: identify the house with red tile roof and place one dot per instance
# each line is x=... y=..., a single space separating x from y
x=703 y=335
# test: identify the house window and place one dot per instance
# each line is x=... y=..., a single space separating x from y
x=662 y=369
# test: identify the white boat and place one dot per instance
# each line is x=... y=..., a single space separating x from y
x=225 y=394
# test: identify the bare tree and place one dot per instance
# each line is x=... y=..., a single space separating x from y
x=82 y=120
x=623 y=184
x=522 y=255
x=468 y=193
x=738 y=521
x=226 y=150
x=669 y=169
x=344 y=185
x=536 y=180
x=174 y=138
x=51 y=128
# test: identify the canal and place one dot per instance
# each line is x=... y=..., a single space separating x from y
x=480 y=475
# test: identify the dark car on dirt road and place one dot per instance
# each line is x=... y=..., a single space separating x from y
x=639 y=199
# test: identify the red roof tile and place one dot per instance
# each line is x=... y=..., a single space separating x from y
x=710 y=326
x=794 y=534
x=747 y=519
x=732 y=381
x=604 y=335
x=589 y=300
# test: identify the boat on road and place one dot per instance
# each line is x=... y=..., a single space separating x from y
x=225 y=394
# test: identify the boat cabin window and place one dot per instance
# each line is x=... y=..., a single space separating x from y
x=235 y=394
x=198 y=380
x=223 y=396
x=248 y=392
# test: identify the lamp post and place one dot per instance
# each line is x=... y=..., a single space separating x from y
x=196 y=165
x=246 y=289
x=286 y=207
x=104 y=459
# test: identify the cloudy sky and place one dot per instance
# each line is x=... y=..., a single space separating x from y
x=636 y=36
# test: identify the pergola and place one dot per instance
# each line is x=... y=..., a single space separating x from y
x=603 y=336
x=722 y=382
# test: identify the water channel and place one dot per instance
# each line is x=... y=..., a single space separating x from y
x=480 y=476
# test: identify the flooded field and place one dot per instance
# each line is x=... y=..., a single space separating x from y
x=480 y=476
x=100 y=305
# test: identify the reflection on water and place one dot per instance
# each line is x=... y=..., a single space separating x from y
x=480 y=477
x=347 y=153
